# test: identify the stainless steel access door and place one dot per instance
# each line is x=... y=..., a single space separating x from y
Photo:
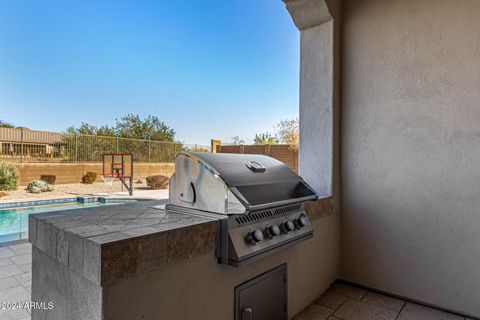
x=264 y=297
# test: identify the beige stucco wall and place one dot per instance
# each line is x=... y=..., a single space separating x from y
x=199 y=288
x=410 y=149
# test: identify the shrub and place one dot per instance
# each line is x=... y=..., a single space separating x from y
x=157 y=182
x=34 y=189
x=48 y=178
x=8 y=177
x=37 y=186
x=89 y=178
x=3 y=194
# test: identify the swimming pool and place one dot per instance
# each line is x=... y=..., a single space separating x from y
x=14 y=221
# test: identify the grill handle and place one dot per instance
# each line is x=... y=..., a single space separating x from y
x=249 y=313
x=255 y=166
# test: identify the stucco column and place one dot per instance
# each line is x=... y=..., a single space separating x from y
x=318 y=92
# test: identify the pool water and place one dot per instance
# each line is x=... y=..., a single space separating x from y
x=14 y=221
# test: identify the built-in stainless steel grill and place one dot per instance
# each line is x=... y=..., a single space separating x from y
x=258 y=200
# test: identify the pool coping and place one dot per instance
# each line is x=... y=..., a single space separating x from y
x=13 y=242
x=80 y=200
x=75 y=199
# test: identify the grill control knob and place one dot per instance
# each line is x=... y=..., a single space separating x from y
x=288 y=226
x=302 y=221
x=273 y=231
x=255 y=236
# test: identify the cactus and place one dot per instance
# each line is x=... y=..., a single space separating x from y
x=37 y=186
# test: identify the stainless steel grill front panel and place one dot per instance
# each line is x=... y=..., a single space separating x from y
x=243 y=252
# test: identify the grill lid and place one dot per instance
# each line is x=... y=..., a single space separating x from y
x=234 y=183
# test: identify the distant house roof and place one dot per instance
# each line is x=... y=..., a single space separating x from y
x=29 y=136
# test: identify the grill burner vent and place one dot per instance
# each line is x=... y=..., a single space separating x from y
x=266 y=214
x=287 y=209
x=254 y=217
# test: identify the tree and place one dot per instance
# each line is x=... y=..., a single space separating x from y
x=129 y=126
x=237 y=141
x=265 y=138
x=151 y=128
x=88 y=129
x=4 y=124
x=88 y=142
x=287 y=132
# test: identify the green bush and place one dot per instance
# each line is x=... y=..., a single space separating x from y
x=89 y=178
x=8 y=177
x=37 y=186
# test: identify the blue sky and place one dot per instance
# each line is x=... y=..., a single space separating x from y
x=209 y=69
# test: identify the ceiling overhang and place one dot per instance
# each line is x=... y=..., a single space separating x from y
x=308 y=13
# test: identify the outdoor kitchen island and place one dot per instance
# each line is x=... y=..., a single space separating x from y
x=137 y=261
x=240 y=238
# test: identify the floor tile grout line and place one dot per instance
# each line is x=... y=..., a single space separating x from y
x=333 y=314
x=373 y=305
x=349 y=297
x=365 y=295
x=332 y=291
x=342 y=303
x=401 y=309
x=406 y=299
x=12 y=262
x=379 y=306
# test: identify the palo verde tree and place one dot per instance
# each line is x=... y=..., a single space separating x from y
x=265 y=138
x=288 y=132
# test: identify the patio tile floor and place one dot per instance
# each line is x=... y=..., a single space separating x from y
x=15 y=278
x=340 y=302
x=346 y=302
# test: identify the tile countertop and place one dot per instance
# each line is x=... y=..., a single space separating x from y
x=111 y=243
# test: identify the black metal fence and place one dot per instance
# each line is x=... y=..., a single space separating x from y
x=23 y=145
